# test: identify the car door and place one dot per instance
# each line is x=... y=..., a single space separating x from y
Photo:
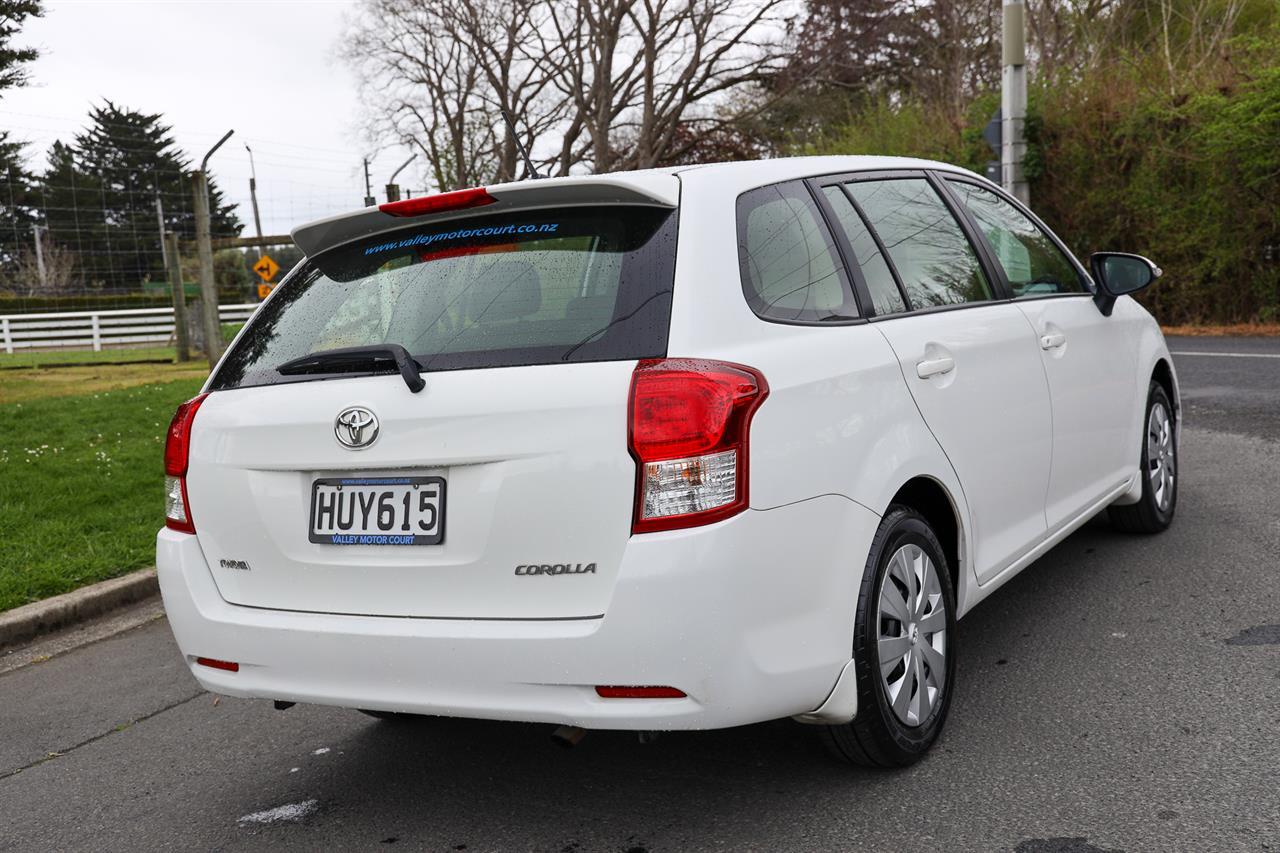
x=1088 y=359
x=966 y=355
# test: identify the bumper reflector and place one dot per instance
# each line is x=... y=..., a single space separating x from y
x=613 y=692
x=212 y=663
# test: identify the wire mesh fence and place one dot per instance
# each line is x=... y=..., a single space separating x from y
x=74 y=249
x=85 y=228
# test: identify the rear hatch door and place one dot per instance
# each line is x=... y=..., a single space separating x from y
x=504 y=488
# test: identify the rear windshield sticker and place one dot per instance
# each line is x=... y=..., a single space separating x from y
x=463 y=233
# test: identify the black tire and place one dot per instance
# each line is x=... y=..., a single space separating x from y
x=1152 y=513
x=877 y=737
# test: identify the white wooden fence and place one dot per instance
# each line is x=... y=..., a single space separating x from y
x=99 y=329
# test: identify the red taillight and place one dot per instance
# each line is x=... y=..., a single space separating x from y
x=177 y=447
x=178 y=443
x=612 y=692
x=689 y=424
x=424 y=204
x=213 y=663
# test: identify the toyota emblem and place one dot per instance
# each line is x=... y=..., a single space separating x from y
x=356 y=428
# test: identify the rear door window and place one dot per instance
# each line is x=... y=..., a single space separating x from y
x=790 y=271
x=885 y=295
x=934 y=259
x=542 y=287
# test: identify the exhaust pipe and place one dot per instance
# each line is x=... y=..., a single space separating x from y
x=568 y=737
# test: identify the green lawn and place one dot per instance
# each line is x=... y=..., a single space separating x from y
x=81 y=477
x=108 y=356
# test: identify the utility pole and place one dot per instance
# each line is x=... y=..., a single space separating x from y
x=204 y=247
x=393 y=190
x=181 y=337
x=1013 y=101
x=253 y=195
x=369 y=200
x=44 y=276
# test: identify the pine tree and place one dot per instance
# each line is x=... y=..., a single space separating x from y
x=16 y=213
x=13 y=60
x=17 y=201
x=99 y=196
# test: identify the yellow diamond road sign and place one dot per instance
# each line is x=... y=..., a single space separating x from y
x=266 y=268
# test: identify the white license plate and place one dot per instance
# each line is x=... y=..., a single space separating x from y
x=377 y=511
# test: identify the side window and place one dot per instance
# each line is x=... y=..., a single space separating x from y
x=1032 y=263
x=885 y=295
x=789 y=267
x=930 y=252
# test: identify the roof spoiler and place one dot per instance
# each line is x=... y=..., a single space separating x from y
x=653 y=189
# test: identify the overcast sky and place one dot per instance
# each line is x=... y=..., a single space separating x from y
x=267 y=68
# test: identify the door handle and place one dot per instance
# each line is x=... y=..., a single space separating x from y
x=1052 y=340
x=935 y=366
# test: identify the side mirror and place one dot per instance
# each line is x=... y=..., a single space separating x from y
x=1118 y=274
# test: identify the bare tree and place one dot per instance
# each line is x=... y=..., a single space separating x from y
x=953 y=48
x=422 y=81
x=640 y=75
x=518 y=65
x=1062 y=34
x=621 y=84
x=1191 y=34
x=60 y=273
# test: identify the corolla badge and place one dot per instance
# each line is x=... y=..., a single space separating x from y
x=356 y=428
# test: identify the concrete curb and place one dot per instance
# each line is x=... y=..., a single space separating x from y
x=41 y=617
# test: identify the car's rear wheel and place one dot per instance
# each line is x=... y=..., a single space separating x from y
x=903 y=647
x=1159 y=470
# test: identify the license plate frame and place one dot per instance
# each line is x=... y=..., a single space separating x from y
x=378 y=537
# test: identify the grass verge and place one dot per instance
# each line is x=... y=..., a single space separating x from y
x=42 y=383
x=106 y=356
x=81 y=479
x=1239 y=330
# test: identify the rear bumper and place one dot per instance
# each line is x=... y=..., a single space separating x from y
x=751 y=617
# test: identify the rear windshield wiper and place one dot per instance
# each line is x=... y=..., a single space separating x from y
x=357 y=359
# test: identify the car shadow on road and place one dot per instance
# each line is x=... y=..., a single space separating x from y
x=695 y=786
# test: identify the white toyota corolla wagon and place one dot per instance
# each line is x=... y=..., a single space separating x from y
x=678 y=449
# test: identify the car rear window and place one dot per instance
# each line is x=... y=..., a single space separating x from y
x=534 y=287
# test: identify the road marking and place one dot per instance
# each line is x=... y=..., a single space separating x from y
x=1229 y=354
x=290 y=812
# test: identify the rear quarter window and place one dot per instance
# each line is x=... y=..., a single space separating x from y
x=540 y=287
x=789 y=267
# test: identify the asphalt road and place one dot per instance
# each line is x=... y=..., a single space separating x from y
x=1122 y=694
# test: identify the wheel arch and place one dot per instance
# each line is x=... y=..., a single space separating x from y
x=1162 y=374
x=929 y=497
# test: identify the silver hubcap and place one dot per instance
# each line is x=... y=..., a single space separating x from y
x=1161 y=463
x=912 y=635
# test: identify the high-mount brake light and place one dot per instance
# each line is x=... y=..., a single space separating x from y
x=690 y=420
x=439 y=202
x=177 y=449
